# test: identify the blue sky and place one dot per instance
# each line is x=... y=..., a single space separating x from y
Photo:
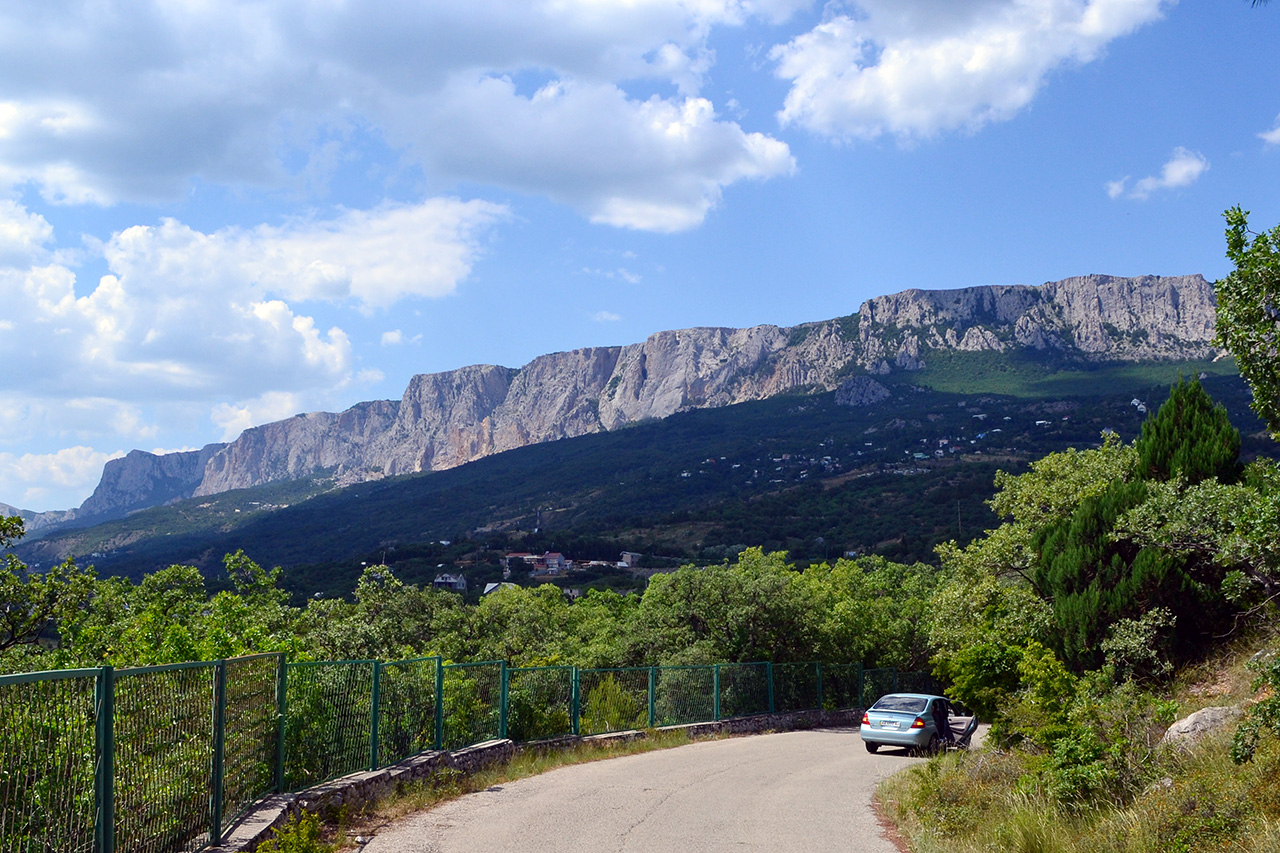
x=216 y=215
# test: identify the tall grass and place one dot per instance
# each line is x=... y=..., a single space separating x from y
x=982 y=802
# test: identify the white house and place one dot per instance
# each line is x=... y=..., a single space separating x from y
x=457 y=583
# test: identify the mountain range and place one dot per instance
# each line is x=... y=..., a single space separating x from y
x=447 y=419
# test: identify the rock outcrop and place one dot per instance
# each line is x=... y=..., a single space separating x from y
x=450 y=418
x=1202 y=723
x=861 y=391
x=140 y=480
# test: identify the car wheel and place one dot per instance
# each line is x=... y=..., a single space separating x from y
x=934 y=747
x=871 y=747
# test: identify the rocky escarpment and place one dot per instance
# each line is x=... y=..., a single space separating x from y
x=450 y=418
x=140 y=480
x=1096 y=317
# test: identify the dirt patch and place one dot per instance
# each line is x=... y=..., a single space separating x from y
x=888 y=828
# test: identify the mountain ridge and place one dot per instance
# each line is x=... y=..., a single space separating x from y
x=449 y=418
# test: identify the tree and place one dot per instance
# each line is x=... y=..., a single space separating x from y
x=31 y=602
x=1190 y=436
x=1249 y=312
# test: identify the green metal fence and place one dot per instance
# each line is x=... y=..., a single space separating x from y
x=163 y=744
x=47 y=760
x=539 y=702
x=165 y=759
x=472 y=703
x=327 y=719
x=797 y=686
x=874 y=683
x=613 y=700
x=407 y=715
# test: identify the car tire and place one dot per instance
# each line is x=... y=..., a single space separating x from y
x=934 y=747
x=871 y=747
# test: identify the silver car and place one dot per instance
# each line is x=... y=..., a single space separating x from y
x=920 y=722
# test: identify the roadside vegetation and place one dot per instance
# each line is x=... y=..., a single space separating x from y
x=1127 y=587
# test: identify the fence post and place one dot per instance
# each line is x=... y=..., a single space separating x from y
x=219 y=748
x=575 y=704
x=104 y=778
x=861 y=702
x=715 y=704
x=375 y=701
x=282 y=688
x=502 y=701
x=653 y=694
x=895 y=679
x=768 y=666
x=818 y=666
x=439 y=702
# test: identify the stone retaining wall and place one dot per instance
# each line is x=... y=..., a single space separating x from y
x=356 y=789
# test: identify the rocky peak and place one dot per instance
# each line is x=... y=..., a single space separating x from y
x=453 y=417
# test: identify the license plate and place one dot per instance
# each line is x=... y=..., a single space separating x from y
x=889 y=724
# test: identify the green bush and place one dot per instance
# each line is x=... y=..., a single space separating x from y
x=300 y=835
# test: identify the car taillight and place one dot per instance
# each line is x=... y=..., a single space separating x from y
x=866 y=720
x=918 y=724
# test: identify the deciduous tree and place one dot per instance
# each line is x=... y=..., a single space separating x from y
x=1249 y=312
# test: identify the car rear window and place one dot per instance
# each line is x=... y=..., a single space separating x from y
x=904 y=704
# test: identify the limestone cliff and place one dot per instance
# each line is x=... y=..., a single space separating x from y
x=450 y=418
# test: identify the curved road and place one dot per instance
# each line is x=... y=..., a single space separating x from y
x=793 y=792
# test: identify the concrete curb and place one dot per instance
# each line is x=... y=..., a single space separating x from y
x=356 y=789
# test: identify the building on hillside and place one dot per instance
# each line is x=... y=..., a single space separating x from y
x=457 y=583
x=628 y=560
x=555 y=561
x=516 y=560
x=494 y=587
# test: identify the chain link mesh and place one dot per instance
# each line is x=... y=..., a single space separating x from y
x=876 y=683
x=46 y=764
x=249 y=750
x=539 y=702
x=685 y=694
x=613 y=700
x=795 y=686
x=919 y=682
x=472 y=702
x=327 y=721
x=840 y=685
x=163 y=758
x=406 y=709
x=744 y=689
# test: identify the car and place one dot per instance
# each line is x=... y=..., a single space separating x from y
x=912 y=720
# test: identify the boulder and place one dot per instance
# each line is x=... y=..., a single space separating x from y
x=1204 y=722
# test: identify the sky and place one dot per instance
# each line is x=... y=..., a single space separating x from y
x=215 y=215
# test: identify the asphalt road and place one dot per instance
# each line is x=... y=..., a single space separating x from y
x=791 y=792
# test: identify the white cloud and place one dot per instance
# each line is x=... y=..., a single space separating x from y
x=27 y=481
x=227 y=93
x=187 y=316
x=376 y=257
x=392 y=338
x=23 y=235
x=915 y=68
x=1272 y=136
x=234 y=419
x=590 y=146
x=1183 y=168
x=621 y=273
x=606 y=317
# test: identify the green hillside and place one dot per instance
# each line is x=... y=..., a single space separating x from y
x=794 y=473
